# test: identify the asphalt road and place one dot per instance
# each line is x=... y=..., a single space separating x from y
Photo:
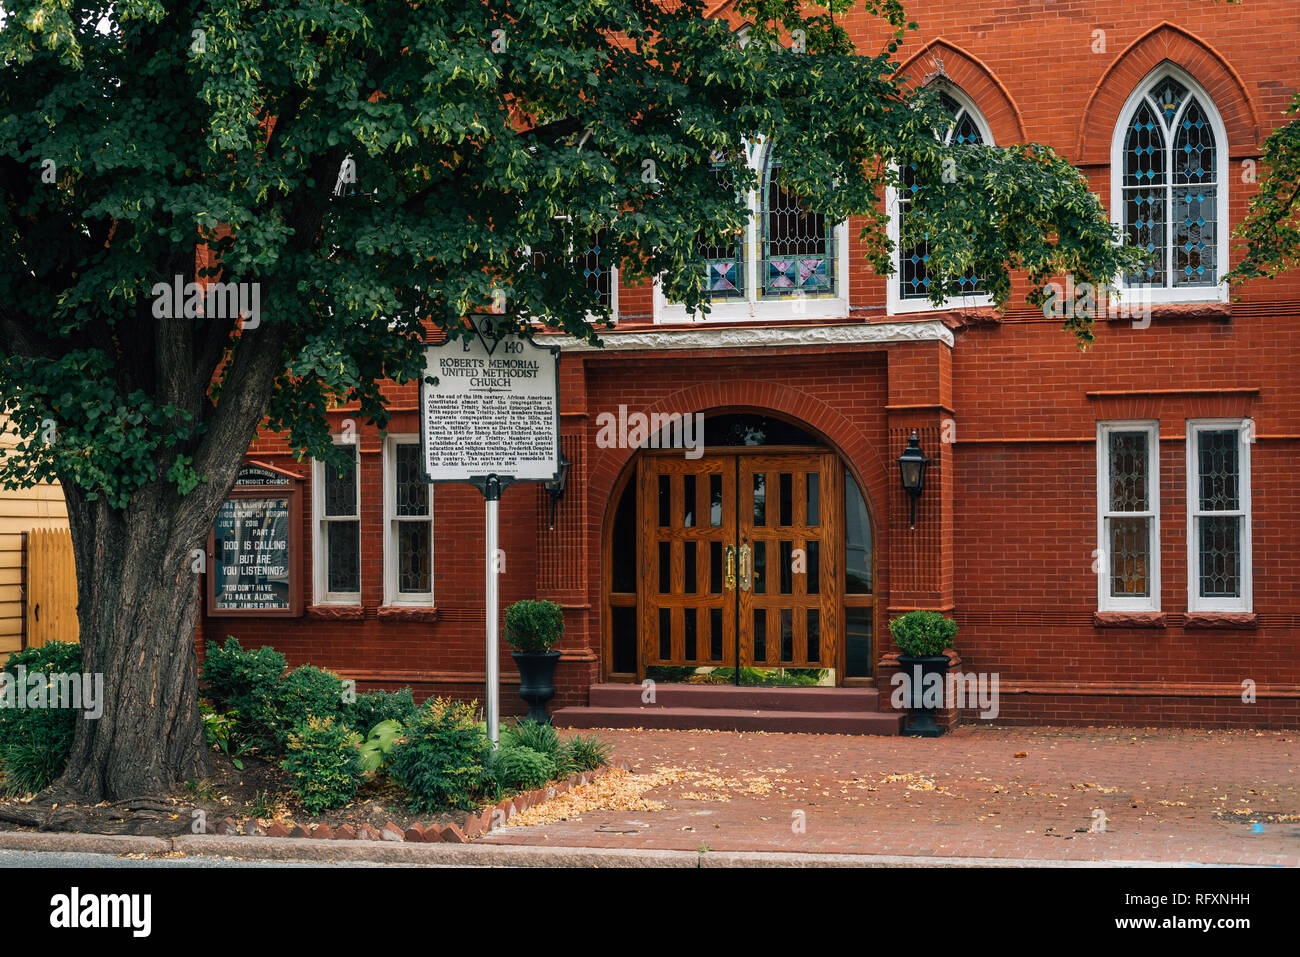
x=70 y=859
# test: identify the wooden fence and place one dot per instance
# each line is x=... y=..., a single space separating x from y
x=51 y=587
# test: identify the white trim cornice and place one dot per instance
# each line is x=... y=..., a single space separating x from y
x=860 y=333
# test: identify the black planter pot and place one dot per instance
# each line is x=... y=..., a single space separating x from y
x=921 y=724
x=537 y=681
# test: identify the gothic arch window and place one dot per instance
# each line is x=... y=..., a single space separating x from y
x=909 y=289
x=1167 y=187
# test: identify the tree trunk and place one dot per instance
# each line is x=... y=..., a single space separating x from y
x=138 y=601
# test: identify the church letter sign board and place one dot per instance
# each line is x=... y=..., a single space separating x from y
x=254 y=554
x=494 y=411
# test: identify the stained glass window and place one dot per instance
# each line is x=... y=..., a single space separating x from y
x=411 y=534
x=1130 y=538
x=1170 y=188
x=724 y=263
x=596 y=270
x=341 y=531
x=796 y=257
x=914 y=254
x=1129 y=549
x=1217 y=500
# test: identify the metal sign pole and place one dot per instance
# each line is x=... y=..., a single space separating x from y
x=492 y=500
x=488 y=405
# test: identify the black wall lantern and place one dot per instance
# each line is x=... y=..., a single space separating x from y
x=911 y=468
x=556 y=488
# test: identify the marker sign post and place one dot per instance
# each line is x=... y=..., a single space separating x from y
x=490 y=419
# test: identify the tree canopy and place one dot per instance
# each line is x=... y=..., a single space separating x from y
x=488 y=139
x=1270 y=233
x=364 y=171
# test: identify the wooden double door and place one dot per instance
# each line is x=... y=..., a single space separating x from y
x=739 y=559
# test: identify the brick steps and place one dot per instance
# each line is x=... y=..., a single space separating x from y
x=732 y=696
x=731 y=708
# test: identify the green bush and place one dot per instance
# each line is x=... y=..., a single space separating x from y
x=305 y=692
x=442 y=762
x=266 y=703
x=220 y=731
x=532 y=734
x=379 y=744
x=248 y=682
x=323 y=758
x=533 y=627
x=923 y=634
x=35 y=742
x=565 y=765
x=371 y=707
x=587 y=752
x=518 y=768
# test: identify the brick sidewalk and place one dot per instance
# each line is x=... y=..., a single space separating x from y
x=1213 y=797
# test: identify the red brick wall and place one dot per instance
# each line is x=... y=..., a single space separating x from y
x=1007 y=527
x=1026 y=508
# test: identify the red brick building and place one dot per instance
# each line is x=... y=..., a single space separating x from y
x=1113 y=530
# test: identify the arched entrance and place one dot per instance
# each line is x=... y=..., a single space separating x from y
x=755 y=549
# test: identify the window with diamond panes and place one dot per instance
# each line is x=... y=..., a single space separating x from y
x=596 y=271
x=411 y=534
x=340 y=529
x=1129 y=542
x=724 y=263
x=1218 y=496
x=796 y=243
x=1170 y=191
x=914 y=256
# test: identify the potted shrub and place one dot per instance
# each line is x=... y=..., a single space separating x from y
x=922 y=637
x=533 y=628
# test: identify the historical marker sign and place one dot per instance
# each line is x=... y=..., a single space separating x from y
x=490 y=417
x=494 y=411
x=254 y=554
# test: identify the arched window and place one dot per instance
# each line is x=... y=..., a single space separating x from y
x=797 y=250
x=1167 y=170
x=910 y=288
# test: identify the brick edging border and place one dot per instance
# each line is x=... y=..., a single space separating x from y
x=476 y=824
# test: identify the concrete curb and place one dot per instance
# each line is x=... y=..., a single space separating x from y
x=445 y=855
x=85 y=843
x=503 y=855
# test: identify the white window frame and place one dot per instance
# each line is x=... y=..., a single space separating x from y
x=1172 y=294
x=321 y=595
x=1245 y=429
x=1105 y=601
x=895 y=304
x=392 y=596
x=613 y=298
x=754 y=306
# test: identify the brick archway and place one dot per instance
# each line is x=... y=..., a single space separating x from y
x=1166 y=43
x=944 y=59
x=612 y=469
x=866 y=461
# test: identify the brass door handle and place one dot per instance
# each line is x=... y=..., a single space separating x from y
x=746 y=568
x=729 y=577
